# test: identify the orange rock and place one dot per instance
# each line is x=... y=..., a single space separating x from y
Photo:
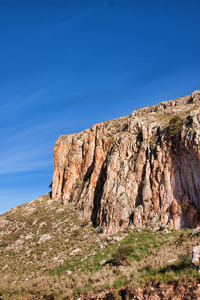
x=119 y=171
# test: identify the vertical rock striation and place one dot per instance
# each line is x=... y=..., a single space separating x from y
x=140 y=169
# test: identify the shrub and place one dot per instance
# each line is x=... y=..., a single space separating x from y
x=189 y=121
x=121 y=254
x=121 y=222
x=175 y=125
x=161 y=228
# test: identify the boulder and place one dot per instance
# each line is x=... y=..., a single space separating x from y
x=196 y=256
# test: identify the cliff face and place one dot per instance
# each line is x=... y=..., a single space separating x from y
x=140 y=169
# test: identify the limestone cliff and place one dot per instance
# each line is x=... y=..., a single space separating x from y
x=140 y=169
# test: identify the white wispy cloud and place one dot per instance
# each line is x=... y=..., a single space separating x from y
x=24 y=160
x=26 y=150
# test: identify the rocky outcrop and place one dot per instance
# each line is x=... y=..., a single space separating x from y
x=140 y=169
x=196 y=256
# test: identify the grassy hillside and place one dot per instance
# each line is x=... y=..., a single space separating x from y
x=47 y=253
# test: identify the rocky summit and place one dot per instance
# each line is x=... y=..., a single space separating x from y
x=142 y=169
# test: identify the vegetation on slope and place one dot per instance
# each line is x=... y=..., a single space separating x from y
x=47 y=253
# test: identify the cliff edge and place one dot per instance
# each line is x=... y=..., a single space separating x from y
x=142 y=169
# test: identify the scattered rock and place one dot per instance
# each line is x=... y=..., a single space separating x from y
x=19 y=242
x=196 y=256
x=29 y=236
x=60 y=262
x=35 y=221
x=27 y=253
x=101 y=246
x=102 y=262
x=42 y=224
x=3 y=222
x=196 y=231
x=118 y=238
x=156 y=228
x=75 y=251
x=5 y=267
x=31 y=210
x=60 y=210
x=171 y=261
x=74 y=228
x=44 y=238
x=44 y=254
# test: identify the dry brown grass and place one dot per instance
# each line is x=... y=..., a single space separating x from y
x=30 y=269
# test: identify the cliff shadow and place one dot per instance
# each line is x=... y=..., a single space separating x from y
x=98 y=194
x=89 y=172
x=185 y=172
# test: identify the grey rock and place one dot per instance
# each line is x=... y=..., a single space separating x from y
x=196 y=256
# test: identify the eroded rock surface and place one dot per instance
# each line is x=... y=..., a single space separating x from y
x=140 y=169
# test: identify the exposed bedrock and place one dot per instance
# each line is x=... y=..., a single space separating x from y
x=143 y=169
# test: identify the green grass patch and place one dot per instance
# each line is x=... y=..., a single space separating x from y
x=183 y=270
x=121 y=281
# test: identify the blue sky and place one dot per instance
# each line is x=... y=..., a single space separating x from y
x=66 y=65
